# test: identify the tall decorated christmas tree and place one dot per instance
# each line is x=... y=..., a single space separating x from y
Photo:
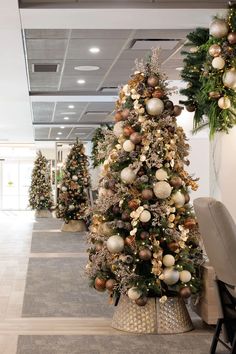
x=144 y=240
x=40 y=192
x=73 y=203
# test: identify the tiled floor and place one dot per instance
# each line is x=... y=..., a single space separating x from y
x=64 y=335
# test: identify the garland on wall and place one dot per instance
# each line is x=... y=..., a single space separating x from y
x=144 y=239
x=210 y=73
x=40 y=192
x=73 y=201
x=103 y=141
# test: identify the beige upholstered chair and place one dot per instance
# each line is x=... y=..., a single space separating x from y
x=218 y=231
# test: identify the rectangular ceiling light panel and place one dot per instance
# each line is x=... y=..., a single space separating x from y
x=148 y=44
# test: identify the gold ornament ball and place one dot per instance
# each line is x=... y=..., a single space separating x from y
x=162 y=190
x=161 y=174
x=214 y=50
x=219 y=28
x=168 y=260
x=224 y=103
x=115 y=244
x=232 y=37
x=128 y=146
x=185 y=292
x=185 y=276
x=134 y=293
x=218 y=63
x=179 y=199
x=229 y=78
x=145 y=254
x=145 y=216
x=154 y=106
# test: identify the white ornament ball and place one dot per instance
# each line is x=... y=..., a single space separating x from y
x=218 y=63
x=145 y=216
x=118 y=129
x=115 y=244
x=224 y=103
x=168 y=260
x=219 y=28
x=171 y=276
x=229 y=78
x=134 y=293
x=161 y=174
x=128 y=146
x=162 y=190
x=185 y=276
x=64 y=189
x=75 y=178
x=42 y=197
x=154 y=106
x=179 y=199
x=61 y=206
x=127 y=175
x=71 y=207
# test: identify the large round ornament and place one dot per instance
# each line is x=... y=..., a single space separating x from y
x=168 y=260
x=232 y=37
x=145 y=216
x=214 y=50
x=224 y=102
x=118 y=116
x=134 y=293
x=185 y=276
x=145 y=254
x=125 y=113
x=162 y=190
x=176 y=181
x=171 y=276
x=127 y=175
x=115 y=244
x=218 y=63
x=154 y=106
x=141 y=301
x=179 y=199
x=152 y=81
x=64 y=189
x=161 y=174
x=185 y=292
x=229 y=78
x=147 y=194
x=118 y=129
x=128 y=130
x=110 y=283
x=219 y=28
x=100 y=284
x=136 y=138
x=75 y=178
x=128 y=146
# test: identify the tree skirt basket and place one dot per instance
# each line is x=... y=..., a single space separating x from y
x=74 y=226
x=43 y=213
x=155 y=317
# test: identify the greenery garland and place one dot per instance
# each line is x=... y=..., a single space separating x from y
x=210 y=73
x=98 y=137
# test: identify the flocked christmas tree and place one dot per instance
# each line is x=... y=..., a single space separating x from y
x=73 y=197
x=144 y=239
x=40 y=192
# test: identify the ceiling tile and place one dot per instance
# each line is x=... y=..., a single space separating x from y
x=46 y=49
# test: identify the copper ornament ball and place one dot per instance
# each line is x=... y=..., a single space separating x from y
x=187 y=198
x=118 y=117
x=125 y=216
x=135 y=138
x=147 y=194
x=185 y=292
x=152 y=81
x=232 y=37
x=141 y=301
x=125 y=113
x=177 y=110
x=173 y=246
x=100 y=284
x=214 y=50
x=169 y=104
x=190 y=223
x=129 y=241
x=133 y=204
x=128 y=130
x=176 y=182
x=190 y=107
x=145 y=254
x=158 y=93
x=110 y=283
x=144 y=235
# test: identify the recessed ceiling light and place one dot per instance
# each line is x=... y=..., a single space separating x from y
x=66 y=118
x=81 y=81
x=57 y=138
x=87 y=67
x=59 y=133
x=71 y=106
x=94 y=50
x=179 y=68
x=62 y=127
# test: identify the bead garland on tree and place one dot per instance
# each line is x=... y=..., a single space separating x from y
x=73 y=199
x=40 y=192
x=144 y=237
x=210 y=71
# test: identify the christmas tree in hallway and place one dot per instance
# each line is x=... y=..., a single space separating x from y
x=73 y=204
x=144 y=239
x=40 y=192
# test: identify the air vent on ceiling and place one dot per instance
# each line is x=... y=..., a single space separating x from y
x=145 y=44
x=109 y=89
x=45 y=68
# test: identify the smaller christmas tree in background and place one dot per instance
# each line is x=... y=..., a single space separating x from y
x=73 y=201
x=103 y=141
x=40 y=192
